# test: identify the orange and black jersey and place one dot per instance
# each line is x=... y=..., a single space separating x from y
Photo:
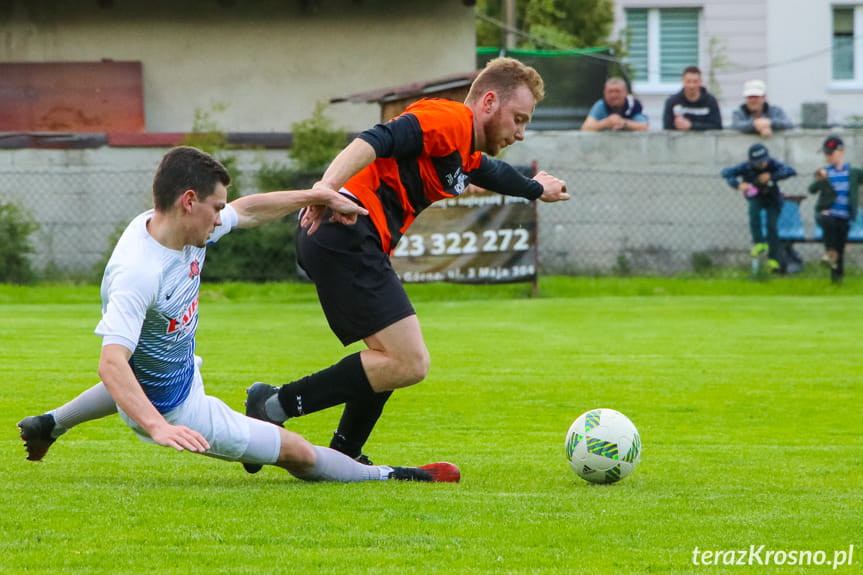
x=425 y=155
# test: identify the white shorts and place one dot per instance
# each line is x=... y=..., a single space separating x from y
x=231 y=435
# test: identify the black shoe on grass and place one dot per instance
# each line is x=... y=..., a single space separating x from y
x=432 y=473
x=340 y=444
x=364 y=459
x=256 y=398
x=36 y=433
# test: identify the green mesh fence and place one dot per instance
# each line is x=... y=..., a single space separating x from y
x=573 y=82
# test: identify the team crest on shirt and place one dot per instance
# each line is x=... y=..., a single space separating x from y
x=456 y=182
x=194 y=269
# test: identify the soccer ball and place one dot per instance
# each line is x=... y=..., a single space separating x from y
x=602 y=446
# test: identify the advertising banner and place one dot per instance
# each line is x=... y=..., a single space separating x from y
x=477 y=237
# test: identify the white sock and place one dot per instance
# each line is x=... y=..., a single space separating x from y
x=332 y=465
x=93 y=403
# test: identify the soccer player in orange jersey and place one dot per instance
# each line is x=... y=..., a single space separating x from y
x=395 y=170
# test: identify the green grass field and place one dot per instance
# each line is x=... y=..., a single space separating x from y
x=747 y=397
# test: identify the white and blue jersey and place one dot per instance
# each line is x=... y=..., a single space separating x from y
x=839 y=181
x=150 y=307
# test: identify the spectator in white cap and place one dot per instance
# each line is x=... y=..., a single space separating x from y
x=755 y=115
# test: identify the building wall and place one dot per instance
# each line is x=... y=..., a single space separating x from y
x=269 y=61
x=730 y=30
x=799 y=42
x=783 y=43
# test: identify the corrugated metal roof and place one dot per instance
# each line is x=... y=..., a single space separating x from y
x=415 y=90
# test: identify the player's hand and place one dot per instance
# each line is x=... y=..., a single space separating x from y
x=180 y=437
x=820 y=174
x=312 y=217
x=764 y=178
x=743 y=186
x=345 y=210
x=553 y=189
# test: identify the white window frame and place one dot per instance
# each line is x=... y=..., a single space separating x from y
x=653 y=85
x=855 y=85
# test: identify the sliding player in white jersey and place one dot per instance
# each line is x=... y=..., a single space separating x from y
x=149 y=319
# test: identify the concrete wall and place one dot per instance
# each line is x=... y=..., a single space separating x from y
x=650 y=201
x=81 y=197
x=270 y=61
x=646 y=201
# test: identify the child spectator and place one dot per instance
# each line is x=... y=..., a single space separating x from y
x=836 y=206
x=758 y=179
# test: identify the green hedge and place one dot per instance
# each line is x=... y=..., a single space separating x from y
x=16 y=227
x=266 y=253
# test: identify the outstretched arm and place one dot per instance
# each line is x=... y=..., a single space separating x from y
x=500 y=177
x=553 y=189
x=258 y=209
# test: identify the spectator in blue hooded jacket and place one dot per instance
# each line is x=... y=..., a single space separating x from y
x=758 y=179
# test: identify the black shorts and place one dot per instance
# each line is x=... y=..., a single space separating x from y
x=357 y=286
x=835 y=232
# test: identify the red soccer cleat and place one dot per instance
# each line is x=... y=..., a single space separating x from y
x=442 y=472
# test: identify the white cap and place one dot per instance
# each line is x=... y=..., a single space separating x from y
x=754 y=88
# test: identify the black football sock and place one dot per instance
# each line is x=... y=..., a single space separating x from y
x=339 y=383
x=358 y=420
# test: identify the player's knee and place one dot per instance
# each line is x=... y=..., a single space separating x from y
x=417 y=367
x=295 y=453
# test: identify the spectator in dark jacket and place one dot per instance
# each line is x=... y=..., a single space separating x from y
x=755 y=115
x=617 y=110
x=757 y=178
x=692 y=108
